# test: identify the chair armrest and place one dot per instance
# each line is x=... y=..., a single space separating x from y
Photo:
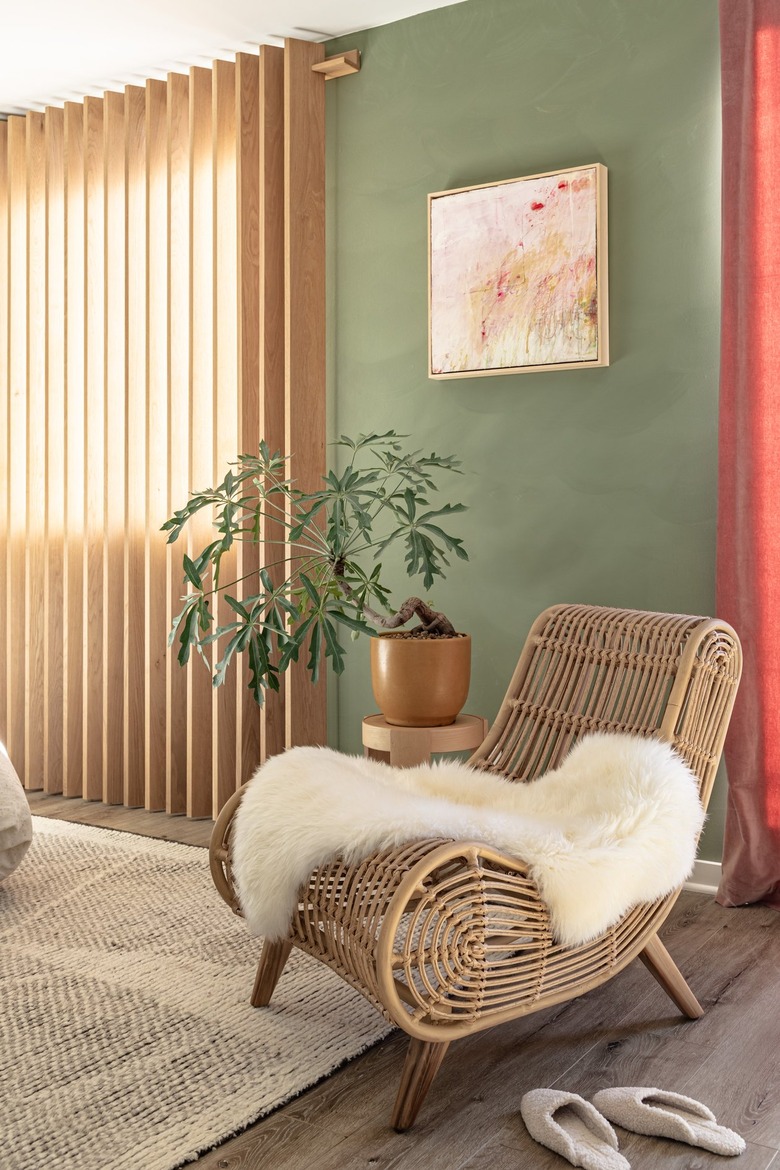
x=219 y=852
x=466 y=942
x=464 y=933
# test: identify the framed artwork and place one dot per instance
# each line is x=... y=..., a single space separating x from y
x=518 y=275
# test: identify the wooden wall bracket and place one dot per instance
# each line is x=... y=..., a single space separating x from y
x=339 y=66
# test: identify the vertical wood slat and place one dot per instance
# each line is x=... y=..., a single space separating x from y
x=115 y=691
x=248 y=353
x=200 y=743
x=75 y=440
x=304 y=285
x=54 y=494
x=227 y=731
x=16 y=600
x=157 y=441
x=94 y=453
x=271 y=340
x=35 y=704
x=178 y=320
x=4 y=429
x=134 y=517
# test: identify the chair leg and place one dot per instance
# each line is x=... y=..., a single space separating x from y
x=273 y=957
x=663 y=968
x=423 y=1058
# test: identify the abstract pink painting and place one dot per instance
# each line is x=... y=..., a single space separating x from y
x=518 y=275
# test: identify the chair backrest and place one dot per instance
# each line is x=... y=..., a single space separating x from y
x=589 y=668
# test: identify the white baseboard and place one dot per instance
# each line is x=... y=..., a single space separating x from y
x=705 y=878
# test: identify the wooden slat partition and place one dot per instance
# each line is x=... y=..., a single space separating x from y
x=247 y=94
x=35 y=518
x=4 y=418
x=95 y=447
x=161 y=311
x=178 y=322
x=118 y=539
x=75 y=452
x=304 y=286
x=155 y=568
x=200 y=722
x=135 y=407
x=54 y=495
x=226 y=399
x=271 y=205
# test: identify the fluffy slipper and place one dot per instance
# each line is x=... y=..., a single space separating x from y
x=569 y=1125
x=661 y=1114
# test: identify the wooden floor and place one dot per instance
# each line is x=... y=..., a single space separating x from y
x=127 y=820
x=625 y=1033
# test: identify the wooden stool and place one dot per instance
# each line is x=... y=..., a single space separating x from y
x=406 y=746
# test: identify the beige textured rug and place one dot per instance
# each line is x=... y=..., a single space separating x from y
x=126 y=1037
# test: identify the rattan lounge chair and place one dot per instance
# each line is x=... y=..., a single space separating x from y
x=446 y=938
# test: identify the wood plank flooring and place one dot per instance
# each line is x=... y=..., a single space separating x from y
x=126 y=820
x=626 y=1032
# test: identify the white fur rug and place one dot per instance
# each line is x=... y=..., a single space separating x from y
x=615 y=825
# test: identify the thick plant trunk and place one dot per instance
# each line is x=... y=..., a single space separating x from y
x=431 y=620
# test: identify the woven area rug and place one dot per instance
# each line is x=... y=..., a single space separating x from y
x=126 y=1037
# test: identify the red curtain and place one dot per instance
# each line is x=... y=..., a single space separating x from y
x=748 y=583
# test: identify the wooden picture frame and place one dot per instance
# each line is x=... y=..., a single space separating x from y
x=517 y=275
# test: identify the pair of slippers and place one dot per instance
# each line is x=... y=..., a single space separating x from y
x=581 y=1133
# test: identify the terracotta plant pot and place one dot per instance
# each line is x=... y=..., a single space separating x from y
x=420 y=682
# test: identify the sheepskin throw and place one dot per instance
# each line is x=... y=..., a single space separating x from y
x=615 y=825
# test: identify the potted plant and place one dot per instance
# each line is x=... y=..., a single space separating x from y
x=379 y=502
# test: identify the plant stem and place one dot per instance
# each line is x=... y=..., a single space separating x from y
x=431 y=620
x=310 y=560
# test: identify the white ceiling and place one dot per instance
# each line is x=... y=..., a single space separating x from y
x=53 y=51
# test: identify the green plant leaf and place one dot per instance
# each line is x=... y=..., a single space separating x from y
x=204 y=615
x=209 y=553
x=259 y=668
x=314 y=596
x=191 y=572
x=315 y=647
x=359 y=626
x=450 y=541
x=447 y=510
x=220 y=633
x=285 y=604
x=236 y=644
x=295 y=640
x=333 y=648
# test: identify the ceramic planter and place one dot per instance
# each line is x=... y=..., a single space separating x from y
x=420 y=682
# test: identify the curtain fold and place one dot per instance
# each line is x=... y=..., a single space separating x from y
x=748 y=561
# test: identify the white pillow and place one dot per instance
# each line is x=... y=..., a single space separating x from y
x=15 y=819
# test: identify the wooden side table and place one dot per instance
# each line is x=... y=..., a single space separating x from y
x=406 y=746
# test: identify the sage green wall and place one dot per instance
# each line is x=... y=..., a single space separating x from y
x=595 y=486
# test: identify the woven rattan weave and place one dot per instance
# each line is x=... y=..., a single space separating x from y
x=449 y=937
